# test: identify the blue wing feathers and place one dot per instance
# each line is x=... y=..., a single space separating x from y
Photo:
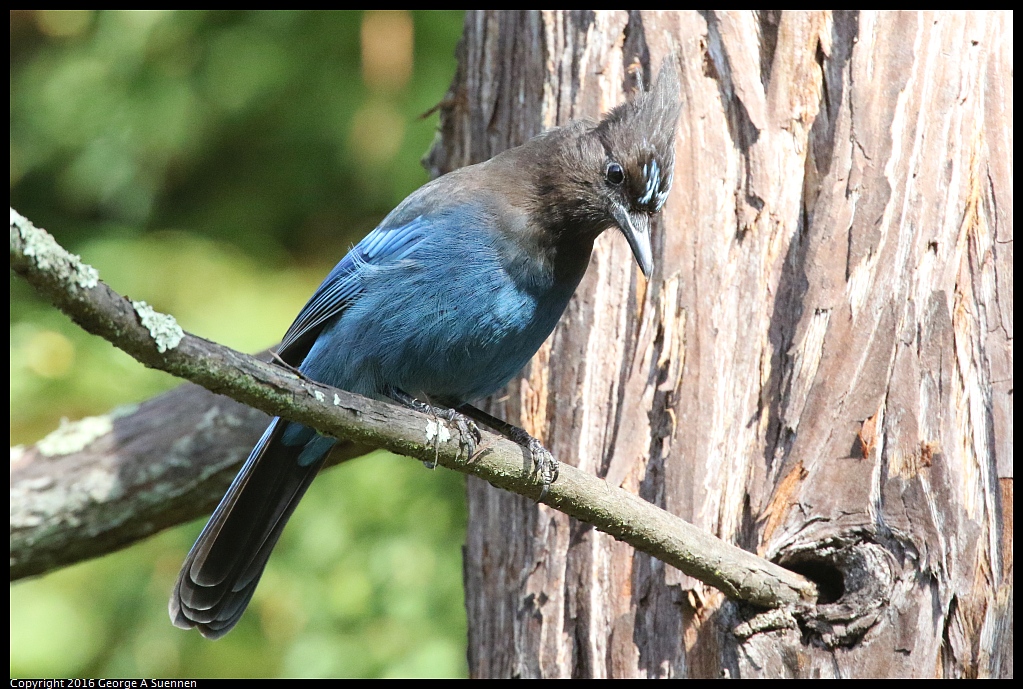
x=342 y=285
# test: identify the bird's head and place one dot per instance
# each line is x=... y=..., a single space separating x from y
x=637 y=162
x=585 y=177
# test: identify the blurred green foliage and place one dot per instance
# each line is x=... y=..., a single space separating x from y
x=217 y=164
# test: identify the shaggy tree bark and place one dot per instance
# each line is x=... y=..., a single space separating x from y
x=820 y=369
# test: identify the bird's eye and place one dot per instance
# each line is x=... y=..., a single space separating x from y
x=614 y=174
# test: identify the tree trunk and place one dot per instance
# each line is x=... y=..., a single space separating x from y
x=820 y=369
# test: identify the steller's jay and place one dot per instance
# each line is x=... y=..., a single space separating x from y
x=444 y=302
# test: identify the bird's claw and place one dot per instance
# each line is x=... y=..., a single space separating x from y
x=469 y=436
x=545 y=465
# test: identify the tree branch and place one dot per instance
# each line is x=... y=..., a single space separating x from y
x=158 y=342
x=96 y=485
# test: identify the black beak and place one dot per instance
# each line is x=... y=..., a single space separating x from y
x=636 y=228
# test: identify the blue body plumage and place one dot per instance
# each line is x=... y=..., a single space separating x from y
x=445 y=301
x=421 y=322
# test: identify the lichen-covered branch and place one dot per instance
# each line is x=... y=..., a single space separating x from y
x=103 y=482
x=75 y=289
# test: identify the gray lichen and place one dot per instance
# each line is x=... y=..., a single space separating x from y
x=437 y=429
x=50 y=256
x=74 y=436
x=165 y=330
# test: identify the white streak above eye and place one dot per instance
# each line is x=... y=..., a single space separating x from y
x=652 y=177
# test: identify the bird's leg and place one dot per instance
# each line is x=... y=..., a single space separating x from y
x=469 y=432
x=544 y=462
x=276 y=358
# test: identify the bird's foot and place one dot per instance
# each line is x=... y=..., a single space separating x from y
x=545 y=466
x=469 y=436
